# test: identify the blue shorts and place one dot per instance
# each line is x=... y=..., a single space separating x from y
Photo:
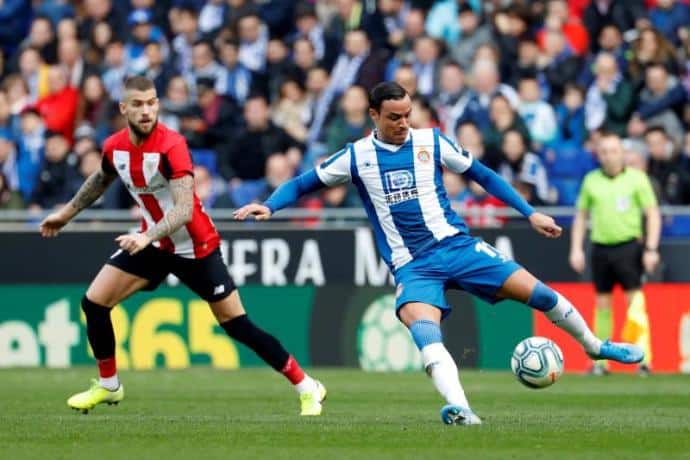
x=457 y=262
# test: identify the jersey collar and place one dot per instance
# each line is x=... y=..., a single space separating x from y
x=386 y=145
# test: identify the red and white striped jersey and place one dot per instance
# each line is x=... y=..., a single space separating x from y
x=146 y=171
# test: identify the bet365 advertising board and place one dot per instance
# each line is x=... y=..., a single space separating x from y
x=324 y=294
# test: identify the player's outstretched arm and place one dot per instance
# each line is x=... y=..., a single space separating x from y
x=498 y=187
x=285 y=195
x=92 y=188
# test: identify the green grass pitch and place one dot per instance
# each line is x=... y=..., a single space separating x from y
x=203 y=414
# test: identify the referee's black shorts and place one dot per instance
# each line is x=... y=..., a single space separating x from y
x=208 y=276
x=618 y=263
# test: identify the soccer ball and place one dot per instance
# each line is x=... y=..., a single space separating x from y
x=537 y=362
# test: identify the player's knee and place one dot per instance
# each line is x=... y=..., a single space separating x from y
x=94 y=311
x=425 y=332
x=543 y=298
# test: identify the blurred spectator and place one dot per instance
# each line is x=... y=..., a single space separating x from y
x=34 y=71
x=15 y=17
x=385 y=26
x=115 y=69
x=94 y=106
x=669 y=17
x=42 y=38
x=143 y=31
x=414 y=29
x=537 y=114
x=442 y=20
x=253 y=144
x=473 y=35
x=5 y=113
x=526 y=63
x=480 y=208
x=456 y=188
x=95 y=11
x=661 y=103
x=238 y=9
x=352 y=122
x=422 y=115
x=291 y=110
x=33 y=151
x=624 y=14
x=70 y=58
x=67 y=29
x=211 y=123
x=635 y=154
x=9 y=199
x=325 y=44
x=570 y=115
x=204 y=65
x=512 y=26
x=469 y=137
x=406 y=77
x=557 y=64
x=59 y=107
x=349 y=15
x=185 y=23
x=239 y=78
x=610 y=98
x=175 y=103
x=58 y=179
x=211 y=16
x=253 y=36
x=558 y=17
x=452 y=96
x=670 y=178
x=610 y=41
x=278 y=68
x=425 y=63
x=17 y=91
x=502 y=119
x=101 y=35
x=521 y=165
x=8 y=160
x=651 y=48
x=158 y=69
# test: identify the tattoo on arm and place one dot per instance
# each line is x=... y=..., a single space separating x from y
x=183 y=196
x=92 y=188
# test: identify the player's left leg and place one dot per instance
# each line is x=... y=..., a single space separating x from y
x=524 y=287
x=423 y=321
x=209 y=278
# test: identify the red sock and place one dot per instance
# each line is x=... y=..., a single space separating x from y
x=292 y=371
x=106 y=367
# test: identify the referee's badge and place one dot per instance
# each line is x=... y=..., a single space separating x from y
x=423 y=156
x=623 y=203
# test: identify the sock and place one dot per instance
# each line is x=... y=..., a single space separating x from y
x=438 y=362
x=603 y=323
x=99 y=330
x=566 y=316
x=636 y=327
x=299 y=379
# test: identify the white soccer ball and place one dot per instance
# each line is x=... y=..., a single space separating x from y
x=537 y=362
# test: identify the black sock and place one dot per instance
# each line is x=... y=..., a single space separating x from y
x=99 y=329
x=265 y=345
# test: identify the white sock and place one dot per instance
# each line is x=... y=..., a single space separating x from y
x=110 y=383
x=443 y=371
x=307 y=385
x=566 y=316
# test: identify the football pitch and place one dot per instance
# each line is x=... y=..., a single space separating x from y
x=252 y=414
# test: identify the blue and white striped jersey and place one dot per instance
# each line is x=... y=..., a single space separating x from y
x=402 y=189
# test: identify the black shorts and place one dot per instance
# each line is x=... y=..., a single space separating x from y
x=618 y=263
x=208 y=277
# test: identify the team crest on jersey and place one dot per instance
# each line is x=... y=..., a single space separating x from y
x=423 y=156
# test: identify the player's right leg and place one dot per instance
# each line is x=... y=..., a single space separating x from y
x=122 y=276
x=423 y=321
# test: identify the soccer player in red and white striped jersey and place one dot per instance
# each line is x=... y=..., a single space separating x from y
x=177 y=236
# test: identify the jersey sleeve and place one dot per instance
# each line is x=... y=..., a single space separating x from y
x=584 y=199
x=179 y=159
x=106 y=160
x=336 y=169
x=645 y=193
x=456 y=159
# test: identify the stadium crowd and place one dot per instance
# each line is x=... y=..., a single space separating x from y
x=263 y=90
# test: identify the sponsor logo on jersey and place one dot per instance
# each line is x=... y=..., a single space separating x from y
x=401 y=186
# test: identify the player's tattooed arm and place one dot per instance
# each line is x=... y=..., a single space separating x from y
x=92 y=188
x=182 y=190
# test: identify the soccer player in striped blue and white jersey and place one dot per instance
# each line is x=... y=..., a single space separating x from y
x=397 y=171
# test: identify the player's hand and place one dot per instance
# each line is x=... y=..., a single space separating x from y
x=650 y=260
x=545 y=225
x=52 y=224
x=133 y=242
x=259 y=211
x=577 y=260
